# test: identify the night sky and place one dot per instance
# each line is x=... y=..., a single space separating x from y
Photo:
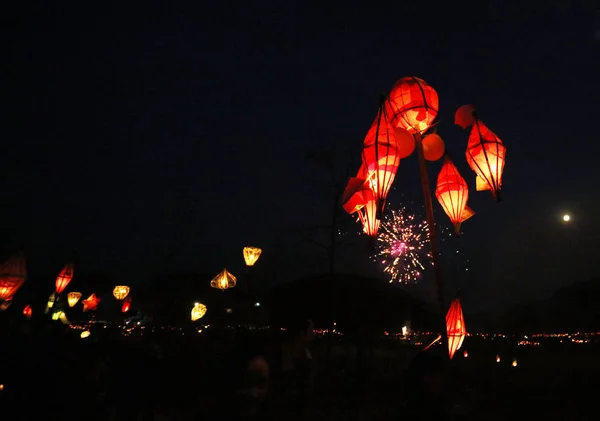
x=135 y=134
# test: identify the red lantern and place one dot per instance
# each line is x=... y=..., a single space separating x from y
x=486 y=155
x=12 y=276
x=465 y=116
x=412 y=105
x=380 y=157
x=453 y=193
x=359 y=198
x=91 y=303
x=368 y=213
x=455 y=327
x=64 y=277
x=27 y=311
x=126 y=304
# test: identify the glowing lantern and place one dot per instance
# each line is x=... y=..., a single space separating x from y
x=465 y=354
x=85 y=334
x=12 y=276
x=497 y=358
x=514 y=363
x=251 y=255
x=27 y=311
x=64 y=277
x=412 y=105
x=405 y=142
x=126 y=305
x=368 y=214
x=73 y=298
x=359 y=198
x=486 y=155
x=198 y=311
x=60 y=315
x=50 y=303
x=380 y=158
x=455 y=326
x=91 y=303
x=120 y=292
x=453 y=193
x=465 y=116
x=223 y=280
x=433 y=147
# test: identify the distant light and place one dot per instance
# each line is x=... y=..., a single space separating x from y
x=514 y=363
x=566 y=217
x=404 y=330
x=466 y=354
x=256 y=304
x=85 y=334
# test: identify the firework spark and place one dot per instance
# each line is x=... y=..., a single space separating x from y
x=402 y=246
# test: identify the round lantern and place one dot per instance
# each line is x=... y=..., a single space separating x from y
x=73 y=298
x=120 y=292
x=198 y=311
x=405 y=142
x=412 y=105
x=433 y=147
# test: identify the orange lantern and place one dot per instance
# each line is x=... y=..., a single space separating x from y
x=73 y=297
x=368 y=214
x=91 y=303
x=455 y=327
x=380 y=158
x=405 y=142
x=412 y=105
x=223 y=280
x=465 y=116
x=486 y=155
x=64 y=277
x=453 y=193
x=359 y=198
x=121 y=291
x=251 y=255
x=126 y=305
x=433 y=147
x=27 y=311
x=12 y=276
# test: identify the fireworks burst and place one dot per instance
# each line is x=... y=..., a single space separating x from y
x=402 y=246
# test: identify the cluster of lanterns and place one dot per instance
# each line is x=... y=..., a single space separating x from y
x=400 y=127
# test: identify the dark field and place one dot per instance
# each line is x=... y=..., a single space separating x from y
x=69 y=377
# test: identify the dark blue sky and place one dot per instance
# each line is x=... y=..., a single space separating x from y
x=135 y=132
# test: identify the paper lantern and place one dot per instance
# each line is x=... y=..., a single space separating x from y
x=85 y=334
x=453 y=193
x=27 y=311
x=12 y=276
x=455 y=327
x=126 y=305
x=360 y=199
x=73 y=298
x=251 y=255
x=465 y=116
x=198 y=311
x=433 y=147
x=380 y=158
x=223 y=280
x=91 y=303
x=486 y=155
x=368 y=214
x=405 y=142
x=64 y=277
x=412 y=105
x=120 y=292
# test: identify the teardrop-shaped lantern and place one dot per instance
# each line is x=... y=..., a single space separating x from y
x=64 y=277
x=453 y=193
x=486 y=155
x=198 y=311
x=455 y=327
x=126 y=304
x=251 y=255
x=224 y=280
x=12 y=276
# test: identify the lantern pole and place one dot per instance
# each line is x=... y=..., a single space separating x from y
x=435 y=255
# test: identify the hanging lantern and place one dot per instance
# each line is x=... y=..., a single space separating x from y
x=368 y=214
x=223 y=280
x=126 y=304
x=27 y=311
x=433 y=147
x=73 y=298
x=50 y=303
x=359 y=198
x=380 y=158
x=120 y=292
x=405 y=142
x=64 y=277
x=251 y=255
x=412 y=105
x=12 y=276
x=198 y=311
x=465 y=116
x=486 y=155
x=91 y=303
x=455 y=327
x=453 y=193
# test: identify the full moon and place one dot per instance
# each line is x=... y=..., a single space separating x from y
x=566 y=218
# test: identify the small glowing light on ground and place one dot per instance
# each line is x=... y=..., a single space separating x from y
x=85 y=334
x=497 y=358
x=566 y=218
